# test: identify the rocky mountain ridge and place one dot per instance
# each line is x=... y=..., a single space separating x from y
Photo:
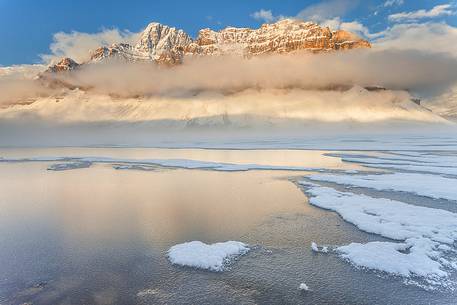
x=167 y=45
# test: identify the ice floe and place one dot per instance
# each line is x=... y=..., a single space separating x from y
x=426 y=234
x=409 y=161
x=420 y=184
x=125 y=163
x=69 y=166
x=303 y=287
x=416 y=256
x=213 y=257
x=139 y=167
x=316 y=248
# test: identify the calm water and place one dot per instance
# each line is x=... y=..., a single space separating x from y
x=99 y=235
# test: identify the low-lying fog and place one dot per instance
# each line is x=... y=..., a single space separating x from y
x=115 y=100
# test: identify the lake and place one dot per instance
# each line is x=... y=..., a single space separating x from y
x=100 y=234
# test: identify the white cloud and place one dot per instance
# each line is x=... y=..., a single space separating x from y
x=264 y=15
x=428 y=37
x=425 y=37
x=326 y=13
x=78 y=46
x=437 y=11
x=353 y=26
x=21 y=71
x=389 y=3
x=337 y=24
x=433 y=37
x=326 y=10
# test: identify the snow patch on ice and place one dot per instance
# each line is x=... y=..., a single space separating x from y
x=213 y=257
x=420 y=184
x=427 y=234
x=410 y=161
x=413 y=257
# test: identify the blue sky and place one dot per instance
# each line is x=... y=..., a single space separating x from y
x=27 y=26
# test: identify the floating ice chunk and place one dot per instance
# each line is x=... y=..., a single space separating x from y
x=68 y=166
x=146 y=292
x=389 y=218
x=303 y=287
x=315 y=248
x=426 y=233
x=421 y=184
x=414 y=257
x=134 y=167
x=212 y=257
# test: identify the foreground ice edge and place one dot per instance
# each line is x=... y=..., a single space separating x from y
x=427 y=234
x=427 y=185
x=408 y=161
x=213 y=257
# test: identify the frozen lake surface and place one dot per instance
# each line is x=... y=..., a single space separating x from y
x=96 y=225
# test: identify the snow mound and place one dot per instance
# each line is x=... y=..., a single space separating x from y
x=213 y=257
x=427 y=234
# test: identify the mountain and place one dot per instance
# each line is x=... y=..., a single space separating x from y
x=284 y=36
x=157 y=42
x=167 y=45
x=444 y=105
x=65 y=64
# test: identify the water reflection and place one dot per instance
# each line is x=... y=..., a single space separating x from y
x=166 y=205
x=57 y=222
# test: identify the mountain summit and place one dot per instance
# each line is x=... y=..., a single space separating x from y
x=167 y=45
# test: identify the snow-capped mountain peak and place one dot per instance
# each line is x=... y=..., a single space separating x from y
x=158 y=39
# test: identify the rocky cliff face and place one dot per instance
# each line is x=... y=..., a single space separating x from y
x=167 y=45
x=157 y=43
x=284 y=36
x=65 y=64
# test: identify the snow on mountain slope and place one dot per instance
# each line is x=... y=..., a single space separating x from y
x=444 y=105
x=157 y=42
x=246 y=108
